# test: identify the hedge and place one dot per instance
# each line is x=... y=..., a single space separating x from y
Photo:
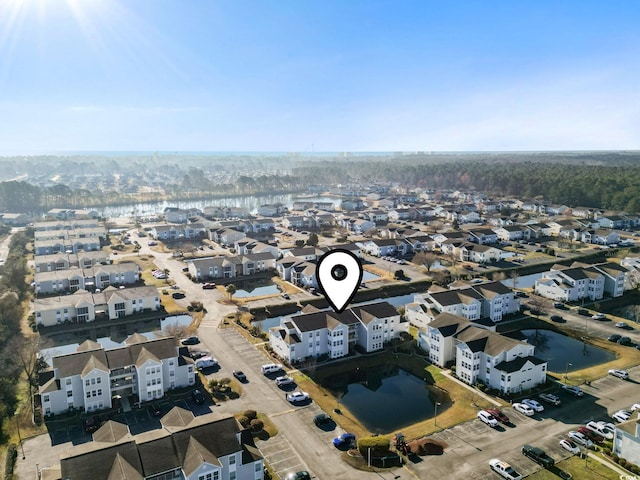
x=12 y=454
x=379 y=445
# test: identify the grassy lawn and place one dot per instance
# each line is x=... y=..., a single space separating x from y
x=458 y=403
x=591 y=470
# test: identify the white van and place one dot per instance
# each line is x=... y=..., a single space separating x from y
x=271 y=368
x=206 y=362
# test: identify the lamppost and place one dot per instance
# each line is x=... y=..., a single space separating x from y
x=566 y=370
x=435 y=413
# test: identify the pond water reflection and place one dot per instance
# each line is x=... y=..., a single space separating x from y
x=565 y=353
x=383 y=398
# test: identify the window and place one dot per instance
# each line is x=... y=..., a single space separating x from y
x=232 y=475
x=45 y=398
x=232 y=460
x=98 y=380
x=87 y=382
x=70 y=393
x=68 y=381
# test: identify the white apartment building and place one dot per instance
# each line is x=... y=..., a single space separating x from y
x=89 y=378
x=570 y=284
x=481 y=355
x=316 y=333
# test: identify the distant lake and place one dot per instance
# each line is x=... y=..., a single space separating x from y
x=250 y=202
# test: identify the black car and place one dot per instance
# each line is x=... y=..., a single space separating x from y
x=556 y=318
x=624 y=341
x=178 y=295
x=192 y=340
x=538 y=455
x=198 y=397
x=614 y=338
x=92 y=424
x=154 y=410
x=302 y=475
x=239 y=374
x=584 y=312
x=322 y=419
x=197 y=355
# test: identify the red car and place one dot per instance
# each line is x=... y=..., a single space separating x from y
x=590 y=434
x=208 y=286
x=498 y=415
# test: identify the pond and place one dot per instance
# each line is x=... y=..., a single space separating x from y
x=525 y=281
x=564 y=353
x=383 y=398
x=368 y=276
x=257 y=291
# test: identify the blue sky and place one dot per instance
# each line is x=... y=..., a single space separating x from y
x=176 y=75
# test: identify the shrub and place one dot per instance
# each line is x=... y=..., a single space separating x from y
x=378 y=445
x=606 y=450
x=257 y=425
x=251 y=414
x=622 y=462
x=244 y=421
x=615 y=457
x=12 y=454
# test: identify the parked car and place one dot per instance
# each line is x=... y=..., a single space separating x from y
x=623 y=325
x=285 y=296
x=608 y=427
x=522 y=408
x=322 y=419
x=206 y=362
x=533 y=404
x=501 y=417
x=580 y=439
x=635 y=406
x=598 y=316
x=198 y=397
x=585 y=313
x=91 y=424
x=344 y=440
x=208 y=286
x=600 y=429
x=559 y=305
x=504 y=469
x=538 y=455
x=284 y=381
x=197 y=354
x=556 y=318
x=591 y=435
x=487 y=418
x=623 y=374
x=573 y=390
x=614 y=337
x=570 y=446
x=192 y=340
x=624 y=341
x=239 y=374
x=178 y=295
x=154 y=409
x=271 y=368
x=550 y=399
x=301 y=475
x=621 y=415
x=297 y=397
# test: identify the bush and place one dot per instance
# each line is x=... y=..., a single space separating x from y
x=12 y=454
x=622 y=462
x=378 y=445
x=615 y=457
x=257 y=425
x=251 y=414
x=244 y=421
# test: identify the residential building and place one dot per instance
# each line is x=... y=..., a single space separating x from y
x=570 y=284
x=64 y=261
x=206 y=447
x=316 y=333
x=99 y=276
x=88 y=378
x=483 y=236
x=481 y=355
x=626 y=441
x=230 y=267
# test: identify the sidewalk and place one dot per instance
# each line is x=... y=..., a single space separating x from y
x=610 y=464
x=489 y=399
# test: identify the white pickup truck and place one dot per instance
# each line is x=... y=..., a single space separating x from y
x=504 y=469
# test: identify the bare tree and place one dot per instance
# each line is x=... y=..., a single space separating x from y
x=537 y=305
x=513 y=276
x=425 y=259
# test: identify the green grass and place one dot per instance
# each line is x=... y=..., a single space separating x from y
x=579 y=469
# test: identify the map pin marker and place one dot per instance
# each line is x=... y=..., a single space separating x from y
x=339 y=273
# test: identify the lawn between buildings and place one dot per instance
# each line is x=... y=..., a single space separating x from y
x=459 y=404
x=579 y=469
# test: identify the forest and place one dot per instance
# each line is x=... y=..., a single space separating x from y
x=608 y=180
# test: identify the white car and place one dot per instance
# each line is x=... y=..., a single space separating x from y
x=623 y=374
x=487 y=418
x=297 y=397
x=549 y=398
x=600 y=430
x=570 y=446
x=621 y=415
x=533 y=404
x=523 y=408
x=282 y=381
x=504 y=469
x=580 y=439
x=608 y=426
x=635 y=406
x=577 y=391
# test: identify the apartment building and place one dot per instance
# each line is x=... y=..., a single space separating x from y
x=314 y=333
x=90 y=377
x=98 y=276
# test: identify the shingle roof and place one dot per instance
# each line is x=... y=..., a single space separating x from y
x=516 y=364
x=482 y=340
